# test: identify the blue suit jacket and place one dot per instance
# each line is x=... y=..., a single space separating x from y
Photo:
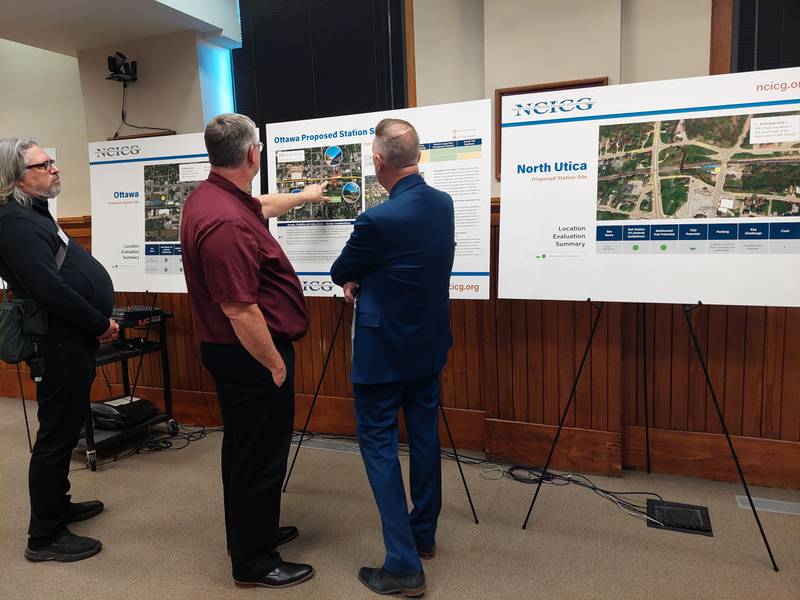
x=401 y=253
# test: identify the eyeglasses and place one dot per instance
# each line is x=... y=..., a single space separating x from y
x=43 y=166
x=260 y=146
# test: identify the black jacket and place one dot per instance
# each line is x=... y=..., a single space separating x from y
x=79 y=298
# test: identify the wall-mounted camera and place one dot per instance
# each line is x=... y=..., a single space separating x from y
x=121 y=70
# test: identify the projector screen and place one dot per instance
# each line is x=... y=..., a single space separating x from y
x=669 y=191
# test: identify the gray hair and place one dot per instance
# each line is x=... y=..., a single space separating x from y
x=12 y=169
x=228 y=137
x=397 y=142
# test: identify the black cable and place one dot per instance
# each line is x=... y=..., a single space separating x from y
x=124 y=122
x=531 y=475
x=108 y=382
x=142 y=342
x=186 y=435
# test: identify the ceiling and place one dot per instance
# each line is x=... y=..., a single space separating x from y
x=69 y=26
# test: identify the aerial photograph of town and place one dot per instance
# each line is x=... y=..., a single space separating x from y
x=340 y=166
x=696 y=168
x=164 y=196
x=374 y=192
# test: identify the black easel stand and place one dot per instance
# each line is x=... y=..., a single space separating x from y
x=314 y=401
x=316 y=391
x=644 y=379
x=458 y=462
x=599 y=308
x=686 y=310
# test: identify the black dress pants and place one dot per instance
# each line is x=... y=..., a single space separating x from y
x=63 y=399
x=258 y=418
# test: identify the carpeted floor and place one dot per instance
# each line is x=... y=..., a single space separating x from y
x=162 y=534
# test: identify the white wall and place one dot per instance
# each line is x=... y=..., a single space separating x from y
x=665 y=40
x=220 y=13
x=539 y=41
x=167 y=93
x=66 y=102
x=448 y=40
x=535 y=41
x=40 y=97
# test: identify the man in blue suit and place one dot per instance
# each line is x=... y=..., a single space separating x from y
x=398 y=259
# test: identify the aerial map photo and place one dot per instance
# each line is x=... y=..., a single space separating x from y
x=696 y=168
x=339 y=165
x=164 y=197
x=374 y=192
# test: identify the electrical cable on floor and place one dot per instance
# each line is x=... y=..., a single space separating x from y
x=492 y=470
x=177 y=441
x=497 y=470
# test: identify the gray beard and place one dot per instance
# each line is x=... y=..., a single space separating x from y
x=52 y=191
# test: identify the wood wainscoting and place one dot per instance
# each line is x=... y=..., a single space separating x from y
x=510 y=372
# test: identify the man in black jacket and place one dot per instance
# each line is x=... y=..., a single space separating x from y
x=78 y=299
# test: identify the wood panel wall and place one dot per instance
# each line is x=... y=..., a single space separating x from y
x=510 y=372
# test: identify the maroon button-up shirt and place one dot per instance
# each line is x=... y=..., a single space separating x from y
x=229 y=255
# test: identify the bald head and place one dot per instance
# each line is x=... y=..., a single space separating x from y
x=397 y=143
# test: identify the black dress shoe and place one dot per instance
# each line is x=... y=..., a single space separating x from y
x=80 y=511
x=427 y=554
x=66 y=547
x=284 y=575
x=287 y=534
x=381 y=581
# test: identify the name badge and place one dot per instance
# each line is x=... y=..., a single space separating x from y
x=63 y=236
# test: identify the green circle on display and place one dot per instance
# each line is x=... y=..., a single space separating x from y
x=663 y=247
x=636 y=247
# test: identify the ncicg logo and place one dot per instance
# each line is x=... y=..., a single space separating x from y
x=547 y=107
x=114 y=151
x=317 y=286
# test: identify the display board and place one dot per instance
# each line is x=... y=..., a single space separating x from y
x=455 y=146
x=139 y=187
x=668 y=191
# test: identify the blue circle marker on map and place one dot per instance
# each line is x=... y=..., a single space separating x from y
x=333 y=156
x=351 y=192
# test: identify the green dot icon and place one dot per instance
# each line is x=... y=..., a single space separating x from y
x=636 y=247
x=663 y=247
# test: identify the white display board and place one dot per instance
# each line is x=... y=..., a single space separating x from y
x=139 y=187
x=669 y=191
x=455 y=141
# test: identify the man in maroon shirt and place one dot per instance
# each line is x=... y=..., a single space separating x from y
x=248 y=307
